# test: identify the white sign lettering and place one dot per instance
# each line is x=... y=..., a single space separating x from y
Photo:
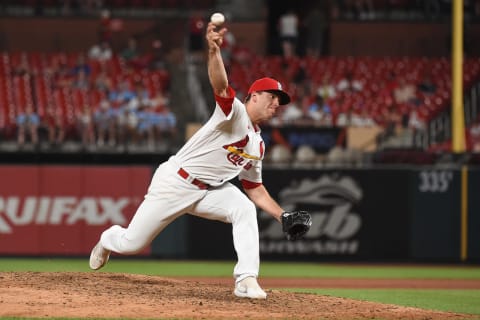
x=16 y=211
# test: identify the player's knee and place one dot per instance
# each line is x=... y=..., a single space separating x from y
x=131 y=247
x=245 y=211
x=123 y=242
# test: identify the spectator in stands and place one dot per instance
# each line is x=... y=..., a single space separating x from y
x=126 y=123
x=27 y=122
x=156 y=57
x=344 y=118
x=103 y=81
x=196 y=29
x=288 y=24
x=170 y=121
x=101 y=52
x=320 y=112
x=86 y=127
x=104 y=28
x=104 y=118
x=159 y=100
x=140 y=97
x=120 y=96
x=316 y=25
x=81 y=65
x=361 y=118
x=349 y=84
x=306 y=103
x=164 y=124
x=153 y=59
x=404 y=92
x=426 y=85
x=81 y=81
x=356 y=116
x=291 y=114
x=53 y=123
x=326 y=89
x=131 y=50
x=145 y=130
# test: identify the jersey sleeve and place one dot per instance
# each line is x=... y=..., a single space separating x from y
x=250 y=185
x=226 y=103
x=251 y=177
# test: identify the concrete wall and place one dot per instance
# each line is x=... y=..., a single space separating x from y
x=40 y=34
x=346 y=38
x=398 y=38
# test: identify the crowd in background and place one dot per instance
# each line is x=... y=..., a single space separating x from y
x=129 y=113
x=400 y=95
x=125 y=113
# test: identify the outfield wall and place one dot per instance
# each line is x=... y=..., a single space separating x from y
x=402 y=214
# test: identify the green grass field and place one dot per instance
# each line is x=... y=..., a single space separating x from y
x=462 y=301
x=455 y=300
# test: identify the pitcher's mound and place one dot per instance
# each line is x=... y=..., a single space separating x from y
x=115 y=295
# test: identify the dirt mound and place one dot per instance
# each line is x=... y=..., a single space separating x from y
x=114 y=295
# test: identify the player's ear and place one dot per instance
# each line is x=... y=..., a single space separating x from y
x=254 y=97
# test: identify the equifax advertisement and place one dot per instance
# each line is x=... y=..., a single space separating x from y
x=62 y=210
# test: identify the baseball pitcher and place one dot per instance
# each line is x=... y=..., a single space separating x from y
x=195 y=180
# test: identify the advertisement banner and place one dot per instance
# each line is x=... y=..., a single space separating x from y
x=436 y=214
x=356 y=214
x=62 y=210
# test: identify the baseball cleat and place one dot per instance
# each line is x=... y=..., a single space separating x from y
x=99 y=256
x=249 y=288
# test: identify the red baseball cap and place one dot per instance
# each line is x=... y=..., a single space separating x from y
x=269 y=84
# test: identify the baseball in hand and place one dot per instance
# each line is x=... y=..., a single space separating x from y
x=217 y=19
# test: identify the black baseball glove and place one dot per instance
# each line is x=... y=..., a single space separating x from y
x=295 y=224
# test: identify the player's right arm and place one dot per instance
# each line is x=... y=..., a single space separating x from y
x=216 y=69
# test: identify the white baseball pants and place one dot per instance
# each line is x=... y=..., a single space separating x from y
x=170 y=196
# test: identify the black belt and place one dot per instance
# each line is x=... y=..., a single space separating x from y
x=185 y=175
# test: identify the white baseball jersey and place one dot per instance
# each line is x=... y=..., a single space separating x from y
x=229 y=144
x=226 y=146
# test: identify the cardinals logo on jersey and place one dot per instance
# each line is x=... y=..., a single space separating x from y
x=237 y=154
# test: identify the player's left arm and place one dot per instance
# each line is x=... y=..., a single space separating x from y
x=262 y=199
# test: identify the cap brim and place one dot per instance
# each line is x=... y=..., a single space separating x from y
x=283 y=97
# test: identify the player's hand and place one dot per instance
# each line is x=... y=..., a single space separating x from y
x=214 y=37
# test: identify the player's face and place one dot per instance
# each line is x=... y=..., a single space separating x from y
x=268 y=104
